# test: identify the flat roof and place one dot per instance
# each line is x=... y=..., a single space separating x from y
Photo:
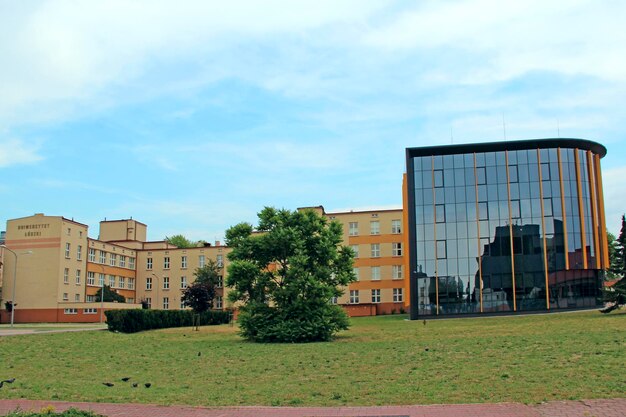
x=513 y=145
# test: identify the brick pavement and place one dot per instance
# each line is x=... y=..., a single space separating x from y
x=587 y=408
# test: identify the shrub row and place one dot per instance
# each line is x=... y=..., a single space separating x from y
x=132 y=321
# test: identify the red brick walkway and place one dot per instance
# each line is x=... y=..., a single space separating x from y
x=588 y=408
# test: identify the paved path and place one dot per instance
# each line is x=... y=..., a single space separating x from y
x=7 y=331
x=588 y=408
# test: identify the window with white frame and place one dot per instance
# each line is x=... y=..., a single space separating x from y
x=67 y=251
x=183 y=282
x=77 y=298
x=220 y=261
x=201 y=261
x=353 y=228
x=66 y=297
x=78 y=274
x=66 y=276
x=122 y=282
x=397 y=295
x=112 y=281
x=148 y=283
x=79 y=252
x=101 y=280
x=354 y=296
x=91 y=298
x=166 y=303
x=166 y=262
x=182 y=305
x=375 y=250
x=376 y=296
x=69 y=231
x=130 y=300
x=183 y=262
x=355 y=271
x=355 y=249
x=90 y=310
x=113 y=259
x=396 y=226
x=396 y=271
x=333 y=300
x=103 y=257
x=166 y=283
x=374 y=227
x=149 y=302
x=131 y=263
x=396 y=249
x=148 y=263
x=375 y=271
x=70 y=311
x=122 y=261
x=218 y=302
x=91 y=256
x=131 y=283
x=91 y=278
x=220 y=281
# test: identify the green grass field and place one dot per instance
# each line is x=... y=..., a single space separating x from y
x=379 y=361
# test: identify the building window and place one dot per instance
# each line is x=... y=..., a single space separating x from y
x=148 y=283
x=438 y=178
x=65 y=297
x=149 y=302
x=79 y=252
x=440 y=213
x=113 y=259
x=333 y=300
x=166 y=283
x=149 y=263
x=67 y=251
x=166 y=303
x=355 y=271
x=91 y=278
x=441 y=249
x=111 y=281
x=90 y=310
x=396 y=271
x=182 y=304
x=513 y=173
x=375 y=296
x=131 y=263
x=375 y=250
x=92 y=255
x=91 y=298
x=78 y=277
x=353 y=228
x=545 y=171
x=122 y=261
x=220 y=281
x=397 y=295
x=69 y=231
x=483 y=212
x=66 y=276
x=183 y=282
x=481 y=176
x=354 y=296
x=396 y=226
x=218 y=302
x=201 y=260
x=396 y=249
x=375 y=228
x=515 y=209
x=70 y=311
x=131 y=283
x=355 y=249
x=183 y=262
x=101 y=280
x=547 y=207
x=103 y=257
x=220 y=261
x=166 y=262
x=122 y=282
x=77 y=298
x=375 y=271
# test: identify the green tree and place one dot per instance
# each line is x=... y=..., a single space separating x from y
x=201 y=293
x=180 y=241
x=615 y=296
x=618 y=251
x=286 y=275
x=109 y=295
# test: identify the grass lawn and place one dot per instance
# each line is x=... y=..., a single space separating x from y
x=379 y=361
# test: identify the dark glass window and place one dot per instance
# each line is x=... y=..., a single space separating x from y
x=440 y=213
x=515 y=209
x=512 y=173
x=483 y=213
x=441 y=249
x=481 y=176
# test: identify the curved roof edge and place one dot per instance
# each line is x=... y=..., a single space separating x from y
x=512 y=145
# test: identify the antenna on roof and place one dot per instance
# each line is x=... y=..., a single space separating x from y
x=504 y=126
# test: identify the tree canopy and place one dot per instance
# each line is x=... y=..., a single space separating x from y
x=109 y=295
x=201 y=293
x=286 y=274
x=615 y=296
x=180 y=241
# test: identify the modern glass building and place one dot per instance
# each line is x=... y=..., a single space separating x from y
x=505 y=227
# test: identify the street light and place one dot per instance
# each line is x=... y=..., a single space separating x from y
x=13 y=304
x=157 y=288
x=102 y=295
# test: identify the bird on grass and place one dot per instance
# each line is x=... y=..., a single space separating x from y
x=135 y=385
x=126 y=378
x=148 y=385
x=199 y=353
x=108 y=384
x=8 y=381
x=424 y=322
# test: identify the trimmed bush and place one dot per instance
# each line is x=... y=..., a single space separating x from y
x=132 y=321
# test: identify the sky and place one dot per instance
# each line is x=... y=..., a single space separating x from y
x=191 y=116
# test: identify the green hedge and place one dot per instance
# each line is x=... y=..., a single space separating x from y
x=131 y=321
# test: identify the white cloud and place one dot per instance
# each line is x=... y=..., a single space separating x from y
x=15 y=152
x=614 y=188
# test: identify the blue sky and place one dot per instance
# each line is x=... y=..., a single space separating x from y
x=190 y=116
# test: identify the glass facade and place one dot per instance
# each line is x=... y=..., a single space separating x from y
x=505 y=227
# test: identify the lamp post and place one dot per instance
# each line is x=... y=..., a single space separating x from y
x=13 y=304
x=157 y=289
x=102 y=295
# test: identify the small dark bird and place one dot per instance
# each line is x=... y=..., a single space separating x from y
x=424 y=322
x=135 y=385
x=126 y=378
x=426 y=349
x=199 y=353
x=148 y=385
x=9 y=381
x=108 y=384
